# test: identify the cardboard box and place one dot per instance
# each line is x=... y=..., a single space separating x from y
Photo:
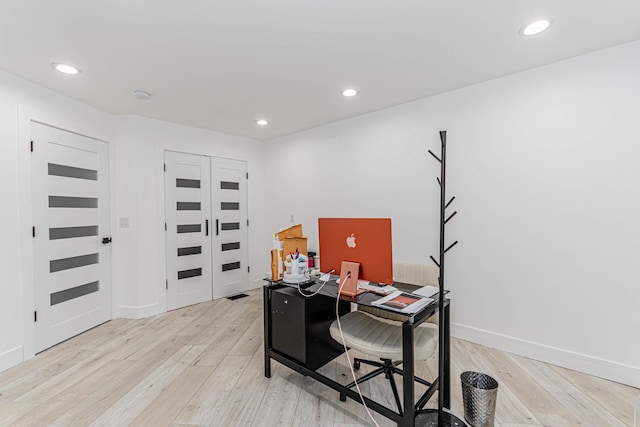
x=287 y=233
x=290 y=245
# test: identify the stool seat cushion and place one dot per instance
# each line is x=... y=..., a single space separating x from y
x=383 y=337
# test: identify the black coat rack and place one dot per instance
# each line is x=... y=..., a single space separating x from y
x=444 y=419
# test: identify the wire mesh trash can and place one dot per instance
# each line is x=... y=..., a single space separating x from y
x=479 y=393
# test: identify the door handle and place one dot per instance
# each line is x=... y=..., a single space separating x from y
x=106 y=240
x=217 y=232
x=206 y=227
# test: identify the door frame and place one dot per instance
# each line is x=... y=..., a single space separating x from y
x=26 y=116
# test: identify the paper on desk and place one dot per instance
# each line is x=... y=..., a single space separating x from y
x=403 y=302
x=376 y=288
x=427 y=291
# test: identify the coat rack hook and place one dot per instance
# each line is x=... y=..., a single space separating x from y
x=451 y=216
x=434 y=261
x=436 y=157
x=447 y=205
x=450 y=246
x=439 y=183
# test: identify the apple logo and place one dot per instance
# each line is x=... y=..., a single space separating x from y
x=351 y=241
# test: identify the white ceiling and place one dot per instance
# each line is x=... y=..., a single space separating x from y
x=222 y=64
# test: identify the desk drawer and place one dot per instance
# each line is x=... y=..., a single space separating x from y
x=288 y=325
x=300 y=327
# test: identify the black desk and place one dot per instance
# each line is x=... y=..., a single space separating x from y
x=329 y=292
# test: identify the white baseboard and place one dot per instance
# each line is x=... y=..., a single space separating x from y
x=139 y=312
x=607 y=369
x=11 y=358
x=257 y=284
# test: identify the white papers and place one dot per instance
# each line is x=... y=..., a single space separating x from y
x=375 y=288
x=403 y=302
x=427 y=291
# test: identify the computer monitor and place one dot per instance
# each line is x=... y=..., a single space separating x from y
x=366 y=241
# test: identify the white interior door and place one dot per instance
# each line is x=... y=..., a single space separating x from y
x=230 y=240
x=71 y=217
x=188 y=240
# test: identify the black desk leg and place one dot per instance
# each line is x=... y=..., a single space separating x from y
x=446 y=382
x=408 y=392
x=266 y=307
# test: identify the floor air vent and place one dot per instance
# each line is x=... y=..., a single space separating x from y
x=235 y=297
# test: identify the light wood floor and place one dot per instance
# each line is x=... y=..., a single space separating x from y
x=203 y=365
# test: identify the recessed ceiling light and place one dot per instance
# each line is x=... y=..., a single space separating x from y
x=262 y=122
x=141 y=94
x=535 y=27
x=65 y=68
x=349 y=92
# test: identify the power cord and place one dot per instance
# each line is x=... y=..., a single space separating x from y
x=319 y=289
x=346 y=350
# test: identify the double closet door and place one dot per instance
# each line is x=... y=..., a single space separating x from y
x=206 y=228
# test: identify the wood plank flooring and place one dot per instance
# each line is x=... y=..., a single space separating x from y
x=203 y=366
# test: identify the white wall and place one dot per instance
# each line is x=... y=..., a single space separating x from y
x=10 y=291
x=141 y=251
x=543 y=165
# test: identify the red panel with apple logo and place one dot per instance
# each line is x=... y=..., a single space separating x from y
x=366 y=241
